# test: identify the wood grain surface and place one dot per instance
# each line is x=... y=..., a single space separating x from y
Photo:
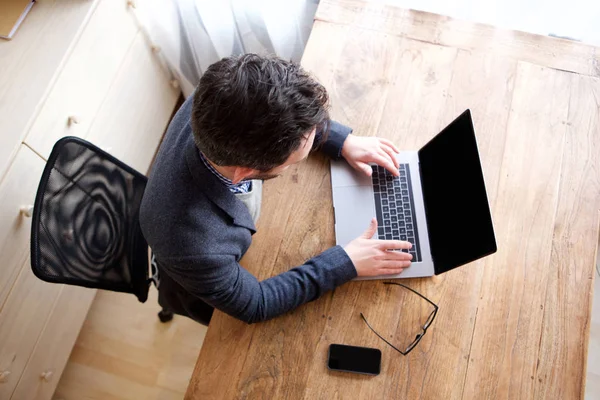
x=513 y=325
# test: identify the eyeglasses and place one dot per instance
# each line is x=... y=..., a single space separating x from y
x=423 y=328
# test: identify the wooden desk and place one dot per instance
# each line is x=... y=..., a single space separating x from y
x=514 y=325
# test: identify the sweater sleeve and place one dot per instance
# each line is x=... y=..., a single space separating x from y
x=335 y=140
x=224 y=284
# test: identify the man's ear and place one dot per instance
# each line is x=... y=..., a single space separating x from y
x=241 y=173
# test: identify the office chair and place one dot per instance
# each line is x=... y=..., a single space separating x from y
x=85 y=229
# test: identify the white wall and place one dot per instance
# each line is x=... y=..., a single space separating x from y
x=577 y=19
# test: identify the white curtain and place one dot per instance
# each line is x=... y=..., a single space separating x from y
x=192 y=34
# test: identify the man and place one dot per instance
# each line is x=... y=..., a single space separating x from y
x=250 y=119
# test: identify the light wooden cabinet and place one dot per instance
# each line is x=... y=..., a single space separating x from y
x=22 y=319
x=85 y=78
x=53 y=347
x=17 y=190
x=29 y=63
x=81 y=68
x=131 y=121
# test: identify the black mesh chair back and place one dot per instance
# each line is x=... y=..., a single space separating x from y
x=85 y=228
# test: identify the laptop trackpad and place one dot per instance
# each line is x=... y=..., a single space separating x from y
x=354 y=207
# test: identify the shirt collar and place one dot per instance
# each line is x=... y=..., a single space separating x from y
x=241 y=187
x=215 y=190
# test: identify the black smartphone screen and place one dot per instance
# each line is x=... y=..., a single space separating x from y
x=362 y=360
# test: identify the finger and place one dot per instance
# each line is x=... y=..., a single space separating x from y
x=389 y=143
x=387 y=152
x=395 y=256
x=390 y=152
x=386 y=163
x=368 y=234
x=393 y=245
x=364 y=167
x=394 y=264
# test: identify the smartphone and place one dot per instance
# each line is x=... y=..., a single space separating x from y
x=362 y=360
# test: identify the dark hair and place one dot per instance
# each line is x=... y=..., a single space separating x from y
x=253 y=111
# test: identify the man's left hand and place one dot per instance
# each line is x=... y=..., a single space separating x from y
x=360 y=151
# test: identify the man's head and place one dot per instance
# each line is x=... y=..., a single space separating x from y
x=258 y=114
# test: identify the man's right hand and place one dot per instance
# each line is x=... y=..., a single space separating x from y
x=373 y=257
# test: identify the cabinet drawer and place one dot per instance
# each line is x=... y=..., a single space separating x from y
x=137 y=109
x=17 y=189
x=86 y=77
x=51 y=353
x=30 y=61
x=22 y=319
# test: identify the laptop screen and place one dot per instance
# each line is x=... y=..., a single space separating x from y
x=456 y=203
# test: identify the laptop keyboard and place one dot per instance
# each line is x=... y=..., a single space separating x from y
x=395 y=209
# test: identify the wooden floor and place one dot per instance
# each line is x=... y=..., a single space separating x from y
x=124 y=353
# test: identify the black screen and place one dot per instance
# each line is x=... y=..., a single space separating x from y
x=354 y=359
x=456 y=204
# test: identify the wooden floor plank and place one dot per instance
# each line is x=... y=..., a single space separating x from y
x=414 y=110
x=592 y=381
x=414 y=113
x=364 y=71
x=418 y=81
x=507 y=331
x=322 y=55
x=88 y=382
x=483 y=83
x=567 y=307
x=123 y=352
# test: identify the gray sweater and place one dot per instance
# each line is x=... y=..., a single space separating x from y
x=198 y=230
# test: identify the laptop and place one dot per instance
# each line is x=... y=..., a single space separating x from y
x=438 y=203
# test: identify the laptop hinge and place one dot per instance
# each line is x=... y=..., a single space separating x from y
x=426 y=214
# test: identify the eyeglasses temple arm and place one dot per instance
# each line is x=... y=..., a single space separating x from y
x=381 y=337
x=412 y=290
